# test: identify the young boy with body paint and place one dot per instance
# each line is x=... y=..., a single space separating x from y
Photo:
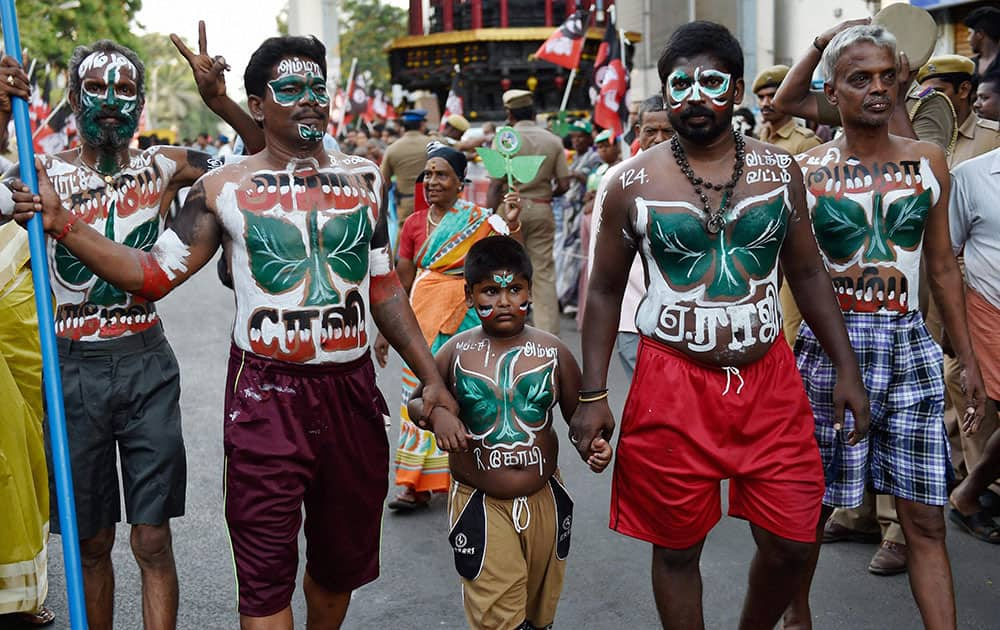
x=509 y=513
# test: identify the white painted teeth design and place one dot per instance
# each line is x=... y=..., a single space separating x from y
x=254 y=334
x=326 y=189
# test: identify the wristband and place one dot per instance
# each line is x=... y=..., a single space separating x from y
x=67 y=228
x=6 y=201
x=517 y=229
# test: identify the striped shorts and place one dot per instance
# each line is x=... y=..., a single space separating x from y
x=906 y=453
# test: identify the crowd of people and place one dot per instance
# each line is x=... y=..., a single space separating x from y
x=805 y=310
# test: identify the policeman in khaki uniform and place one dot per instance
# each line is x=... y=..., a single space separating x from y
x=537 y=220
x=405 y=158
x=781 y=130
x=951 y=75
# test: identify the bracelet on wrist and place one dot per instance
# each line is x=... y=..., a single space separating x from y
x=591 y=395
x=67 y=228
x=514 y=230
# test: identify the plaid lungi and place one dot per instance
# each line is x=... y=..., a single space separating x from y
x=906 y=453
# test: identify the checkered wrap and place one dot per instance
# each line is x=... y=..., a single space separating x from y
x=906 y=453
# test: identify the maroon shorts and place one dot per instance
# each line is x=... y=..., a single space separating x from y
x=295 y=434
x=686 y=427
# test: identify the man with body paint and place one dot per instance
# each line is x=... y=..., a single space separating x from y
x=878 y=202
x=307 y=242
x=715 y=386
x=120 y=378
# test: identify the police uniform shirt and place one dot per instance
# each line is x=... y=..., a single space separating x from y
x=538 y=141
x=933 y=116
x=976 y=136
x=791 y=137
x=405 y=158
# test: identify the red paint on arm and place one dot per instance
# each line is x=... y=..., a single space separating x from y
x=155 y=283
x=385 y=287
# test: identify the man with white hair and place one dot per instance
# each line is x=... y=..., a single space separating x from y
x=878 y=202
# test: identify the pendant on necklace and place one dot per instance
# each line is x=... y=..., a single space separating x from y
x=715 y=223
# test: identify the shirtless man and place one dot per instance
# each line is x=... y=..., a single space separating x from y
x=711 y=385
x=307 y=242
x=877 y=203
x=126 y=195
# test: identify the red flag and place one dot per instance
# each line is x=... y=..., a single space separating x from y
x=563 y=47
x=611 y=82
x=455 y=103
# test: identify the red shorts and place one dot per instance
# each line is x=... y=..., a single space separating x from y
x=687 y=426
x=303 y=435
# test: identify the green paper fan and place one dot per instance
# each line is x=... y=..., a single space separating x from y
x=525 y=167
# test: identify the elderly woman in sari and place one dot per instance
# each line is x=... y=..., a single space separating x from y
x=432 y=248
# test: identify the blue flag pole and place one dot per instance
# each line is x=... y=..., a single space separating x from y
x=55 y=413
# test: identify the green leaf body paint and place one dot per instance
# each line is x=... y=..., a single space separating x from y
x=74 y=272
x=842 y=227
x=280 y=260
x=746 y=249
x=506 y=411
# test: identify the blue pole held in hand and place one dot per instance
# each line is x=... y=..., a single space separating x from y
x=55 y=413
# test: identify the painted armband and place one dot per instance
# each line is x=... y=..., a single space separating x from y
x=162 y=265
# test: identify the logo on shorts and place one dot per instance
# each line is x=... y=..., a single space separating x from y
x=567 y=522
x=460 y=545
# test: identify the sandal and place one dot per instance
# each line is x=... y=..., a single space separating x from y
x=402 y=502
x=43 y=617
x=978 y=525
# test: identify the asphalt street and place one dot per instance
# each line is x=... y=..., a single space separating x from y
x=607 y=578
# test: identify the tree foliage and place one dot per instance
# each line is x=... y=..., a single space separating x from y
x=51 y=29
x=366 y=26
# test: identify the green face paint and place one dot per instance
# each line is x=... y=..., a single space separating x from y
x=308 y=133
x=503 y=279
x=712 y=83
x=113 y=99
x=292 y=88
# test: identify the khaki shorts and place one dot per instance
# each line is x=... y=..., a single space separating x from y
x=511 y=554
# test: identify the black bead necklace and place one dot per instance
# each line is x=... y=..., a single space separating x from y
x=715 y=220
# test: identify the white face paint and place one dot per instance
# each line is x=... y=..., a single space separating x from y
x=711 y=82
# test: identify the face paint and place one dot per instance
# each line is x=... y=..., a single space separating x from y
x=524 y=307
x=308 y=133
x=503 y=279
x=712 y=83
x=292 y=88
x=485 y=311
x=112 y=100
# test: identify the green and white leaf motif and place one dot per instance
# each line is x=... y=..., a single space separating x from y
x=69 y=267
x=905 y=219
x=477 y=402
x=534 y=395
x=525 y=167
x=346 y=243
x=507 y=432
x=278 y=258
x=841 y=227
x=757 y=237
x=143 y=237
x=495 y=163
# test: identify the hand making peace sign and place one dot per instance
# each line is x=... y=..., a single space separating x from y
x=209 y=72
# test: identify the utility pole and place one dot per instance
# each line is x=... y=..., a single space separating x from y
x=322 y=19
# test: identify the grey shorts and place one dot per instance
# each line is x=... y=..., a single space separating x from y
x=122 y=392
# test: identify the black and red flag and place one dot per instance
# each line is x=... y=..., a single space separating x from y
x=611 y=81
x=563 y=47
x=357 y=104
x=455 y=103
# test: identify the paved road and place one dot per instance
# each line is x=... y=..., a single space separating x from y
x=607 y=579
